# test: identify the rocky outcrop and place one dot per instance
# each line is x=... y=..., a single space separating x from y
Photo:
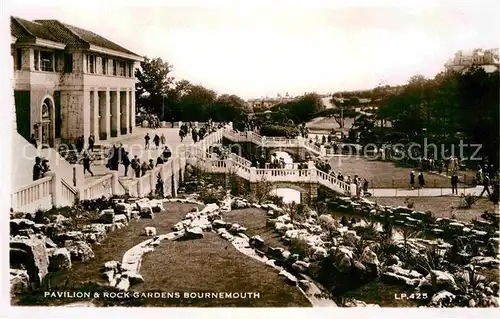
x=19 y=281
x=60 y=259
x=30 y=254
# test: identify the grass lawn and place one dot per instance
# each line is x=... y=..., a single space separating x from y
x=113 y=248
x=254 y=220
x=440 y=206
x=383 y=174
x=212 y=264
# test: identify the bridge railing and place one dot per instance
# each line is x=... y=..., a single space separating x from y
x=325 y=179
x=283 y=175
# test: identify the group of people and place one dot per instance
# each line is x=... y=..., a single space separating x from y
x=153 y=120
x=140 y=169
x=486 y=175
x=361 y=184
x=198 y=133
x=156 y=140
x=40 y=168
x=420 y=177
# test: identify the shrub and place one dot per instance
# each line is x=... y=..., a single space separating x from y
x=409 y=203
x=299 y=246
x=277 y=130
x=468 y=200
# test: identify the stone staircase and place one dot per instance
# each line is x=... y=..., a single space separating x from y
x=265 y=141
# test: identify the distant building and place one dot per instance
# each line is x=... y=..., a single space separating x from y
x=267 y=103
x=487 y=59
x=70 y=82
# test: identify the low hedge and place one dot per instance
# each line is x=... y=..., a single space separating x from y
x=277 y=130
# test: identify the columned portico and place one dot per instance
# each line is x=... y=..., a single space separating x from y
x=114 y=112
x=124 y=110
x=132 y=110
x=94 y=113
x=104 y=115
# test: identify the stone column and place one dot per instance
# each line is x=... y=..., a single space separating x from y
x=115 y=112
x=94 y=113
x=132 y=110
x=127 y=112
x=107 y=114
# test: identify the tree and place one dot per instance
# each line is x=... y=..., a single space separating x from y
x=227 y=108
x=153 y=85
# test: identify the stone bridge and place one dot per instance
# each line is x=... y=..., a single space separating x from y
x=308 y=191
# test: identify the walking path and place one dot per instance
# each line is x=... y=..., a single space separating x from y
x=423 y=192
x=135 y=146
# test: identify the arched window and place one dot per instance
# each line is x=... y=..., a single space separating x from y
x=45 y=111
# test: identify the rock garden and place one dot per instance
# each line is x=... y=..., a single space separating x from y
x=291 y=254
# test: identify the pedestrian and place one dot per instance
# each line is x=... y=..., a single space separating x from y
x=151 y=165
x=144 y=168
x=45 y=167
x=159 y=160
x=454 y=183
x=146 y=141
x=166 y=153
x=486 y=185
x=421 y=181
x=126 y=162
x=194 y=134
x=37 y=169
x=136 y=165
x=365 y=186
x=163 y=139
x=91 y=142
x=181 y=134
x=86 y=164
x=412 y=179
x=156 y=140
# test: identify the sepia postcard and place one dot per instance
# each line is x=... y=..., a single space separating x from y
x=252 y=156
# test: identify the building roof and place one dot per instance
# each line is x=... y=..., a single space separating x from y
x=56 y=31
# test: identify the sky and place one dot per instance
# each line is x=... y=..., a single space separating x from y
x=257 y=51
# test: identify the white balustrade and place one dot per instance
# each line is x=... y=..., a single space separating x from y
x=37 y=194
x=98 y=188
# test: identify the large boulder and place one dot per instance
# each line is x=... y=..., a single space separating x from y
x=256 y=241
x=236 y=228
x=219 y=224
x=70 y=235
x=30 y=254
x=194 y=233
x=94 y=233
x=79 y=250
x=123 y=219
x=145 y=210
x=370 y=260
x=285 y=219
x=18 y=224
x=19 y=281
x=439 y=280
x=107 y=216
x=156 y=205
x=301 y=266
x=60 y=260
x=289 y=278
x=442 y=299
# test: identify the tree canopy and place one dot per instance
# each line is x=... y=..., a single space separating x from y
x=158 y=92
